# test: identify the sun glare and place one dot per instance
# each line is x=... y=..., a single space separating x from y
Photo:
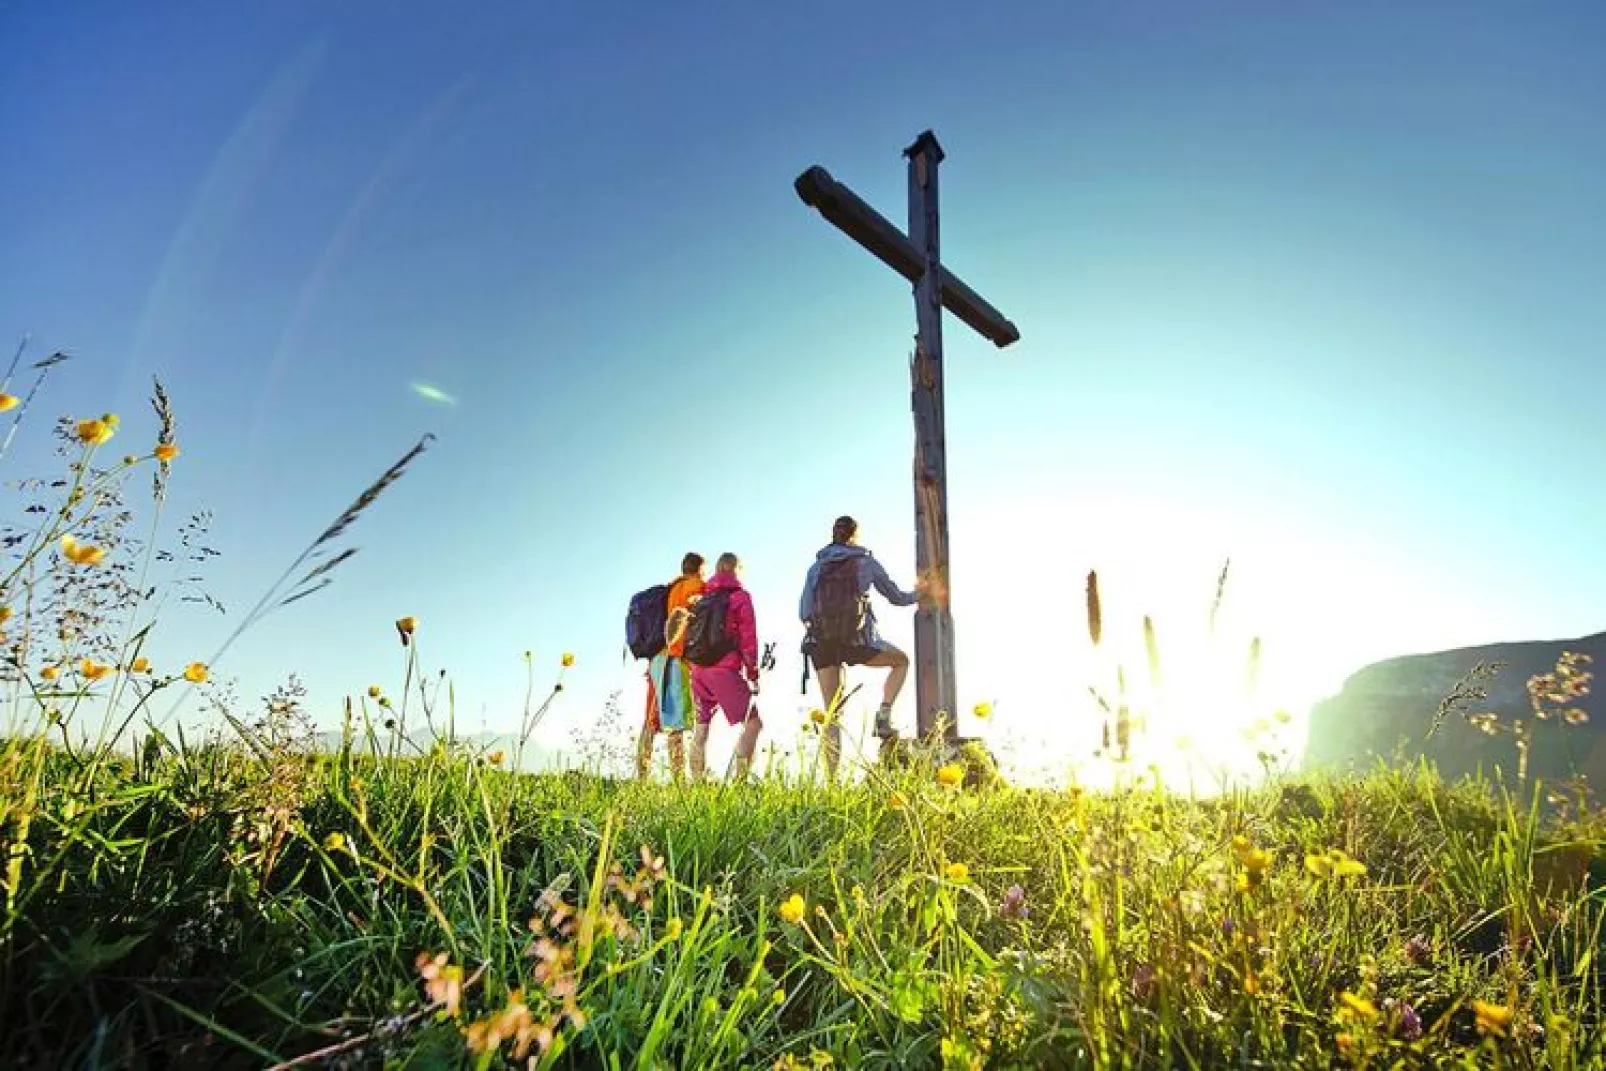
x=1196 y=681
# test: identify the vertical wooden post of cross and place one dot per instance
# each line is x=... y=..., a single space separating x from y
x=935 y=693
x=917 y=257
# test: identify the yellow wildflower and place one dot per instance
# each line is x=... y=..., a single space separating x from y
x=196 y=673
x=95 y=432
x=897 y=801
x=140 y=665
x=1359 y=1007
x=5 y=614
x=793 y=908
x=81 y=553
x=374 y=691
x=1334 y=864
x=335 y=842
x=950 y=776
x=983 y=710
x=405 y=627
x=1254 y=860
x=1345 y=867
x=9 y=401
x=673 y=929
x=568 y=660
x=91 y=670
x=958 y=873
x=49 y=673
x=817 y=716
x=166 y=452
x=495 y=758
x=1492 y=1018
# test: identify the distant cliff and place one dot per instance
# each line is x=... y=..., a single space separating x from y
x=1388 y=708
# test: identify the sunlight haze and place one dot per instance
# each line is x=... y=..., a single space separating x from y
x=1317 y=289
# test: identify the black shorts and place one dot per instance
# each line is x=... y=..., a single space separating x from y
x=830 y=655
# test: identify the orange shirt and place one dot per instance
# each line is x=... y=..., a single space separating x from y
x=681 y=594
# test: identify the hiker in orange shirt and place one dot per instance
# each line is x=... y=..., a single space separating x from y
x=669 y=698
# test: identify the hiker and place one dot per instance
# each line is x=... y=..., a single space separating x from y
x=840 y=628
x=669 y=699
x=722 y=647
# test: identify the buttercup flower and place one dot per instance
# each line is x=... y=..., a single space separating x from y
x=568 y=660
x=1356 y=1006
x=335 y=842
x=81 y=553
x=1255 y=861
x=1492 y=1018
x=166 y=452
x=374 y=691
x=983 y=710
x=49 y=673
x=951 y=775
x=91 y=670
x=793 y=908
x=9 y=401
x=958 y=873
x=140 y=665
x=1334 y=864
x=817 y=716
x=196 y=673
x=495 y=758
x=96 y=432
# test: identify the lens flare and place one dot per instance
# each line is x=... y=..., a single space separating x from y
x=432 y=394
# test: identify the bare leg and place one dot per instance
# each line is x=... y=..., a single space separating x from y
x=898 y=663
x=831 y=743
x=699 y=751
x=677 y=755
x=644 y=753
x=649 y=729
x=831 y=696
x=746 y=744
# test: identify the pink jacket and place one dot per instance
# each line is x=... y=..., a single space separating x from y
x=739 y=622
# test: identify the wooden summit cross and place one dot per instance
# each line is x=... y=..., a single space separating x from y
x=916 y=258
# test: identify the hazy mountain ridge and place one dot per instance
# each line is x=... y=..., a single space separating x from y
x=1388 y=708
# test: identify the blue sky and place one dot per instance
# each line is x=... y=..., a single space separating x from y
x=1318 y=288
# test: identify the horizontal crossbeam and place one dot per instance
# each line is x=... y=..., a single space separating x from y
x=853 y=217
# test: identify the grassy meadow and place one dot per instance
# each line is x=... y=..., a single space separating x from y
x=244 y=898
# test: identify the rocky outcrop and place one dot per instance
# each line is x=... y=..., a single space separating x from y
x=1387 y=710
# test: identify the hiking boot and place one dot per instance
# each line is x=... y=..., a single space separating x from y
x=883 y=723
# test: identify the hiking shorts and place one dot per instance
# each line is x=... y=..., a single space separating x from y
x=714 y=686
x=669 y=698
x=829 y=655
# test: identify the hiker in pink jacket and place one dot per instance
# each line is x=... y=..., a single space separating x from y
x=722 y=648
